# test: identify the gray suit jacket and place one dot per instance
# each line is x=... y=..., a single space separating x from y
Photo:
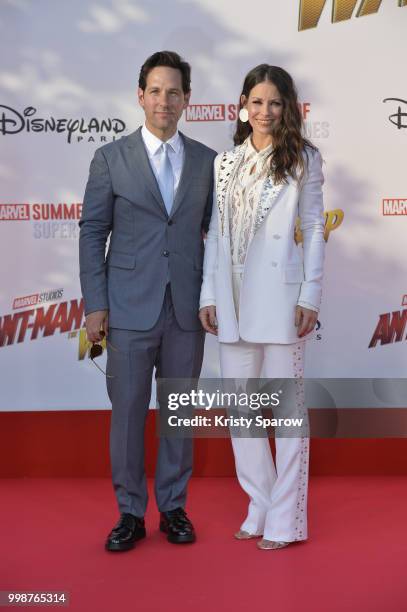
x=147 y=246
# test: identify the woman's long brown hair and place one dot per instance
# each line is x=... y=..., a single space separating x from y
x=288 y=142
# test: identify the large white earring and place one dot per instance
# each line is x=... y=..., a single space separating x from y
x=244 y=115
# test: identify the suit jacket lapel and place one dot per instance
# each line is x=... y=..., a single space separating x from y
x=139 y=160
x=188 y=168
x=267 y=200
x=227 y=168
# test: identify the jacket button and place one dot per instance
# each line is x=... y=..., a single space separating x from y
x=170 y=222
x=166 y=253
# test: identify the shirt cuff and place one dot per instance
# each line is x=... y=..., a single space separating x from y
x=309 y=306
x=206 y=303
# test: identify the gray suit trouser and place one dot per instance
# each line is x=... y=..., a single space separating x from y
x=176 y=353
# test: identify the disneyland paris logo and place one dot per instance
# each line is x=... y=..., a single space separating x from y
x=399 y=117
x=76 y=130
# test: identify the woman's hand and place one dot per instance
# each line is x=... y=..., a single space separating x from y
x=207 y=316
x=305 y=320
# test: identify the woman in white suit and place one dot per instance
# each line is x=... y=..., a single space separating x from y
x=261 y=289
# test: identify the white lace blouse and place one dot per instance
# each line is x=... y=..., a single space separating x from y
x=244 y=194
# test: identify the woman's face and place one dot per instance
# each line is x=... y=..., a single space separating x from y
x=265 y=107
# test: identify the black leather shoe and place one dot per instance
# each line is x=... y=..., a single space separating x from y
x=128 y=530
x=177 y=526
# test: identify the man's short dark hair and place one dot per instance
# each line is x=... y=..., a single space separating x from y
x=171 y=60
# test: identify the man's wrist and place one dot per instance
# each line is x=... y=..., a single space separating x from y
x=105 y=310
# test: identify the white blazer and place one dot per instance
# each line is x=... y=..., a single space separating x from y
x=277 y=274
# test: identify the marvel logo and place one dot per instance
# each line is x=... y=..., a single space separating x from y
x=394 y=206
x=14 y=212
x=205 y=112
x=27 y=300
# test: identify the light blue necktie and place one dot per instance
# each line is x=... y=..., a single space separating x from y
x=166 y=178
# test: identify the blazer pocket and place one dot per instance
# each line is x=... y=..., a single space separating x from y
x=294 y=273
x=121 y=260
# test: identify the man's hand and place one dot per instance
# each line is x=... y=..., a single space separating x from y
x=95 y=321
x=305 y=320
x=207 y=316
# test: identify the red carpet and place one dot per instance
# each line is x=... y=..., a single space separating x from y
x=53 y=532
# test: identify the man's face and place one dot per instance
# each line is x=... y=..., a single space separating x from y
x=163 y=100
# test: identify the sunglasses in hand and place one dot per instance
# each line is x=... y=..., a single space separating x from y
x=96 y=350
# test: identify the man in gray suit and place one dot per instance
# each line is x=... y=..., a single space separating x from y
x=151 y=192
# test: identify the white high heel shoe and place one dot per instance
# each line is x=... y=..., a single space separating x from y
x=271 y=545
x=245 y=535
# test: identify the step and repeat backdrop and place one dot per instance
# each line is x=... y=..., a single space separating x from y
x=68 y=84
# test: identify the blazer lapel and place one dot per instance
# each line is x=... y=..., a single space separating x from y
x=139 y=160
x=188 y=168
x=227 y=168
x=267 y=200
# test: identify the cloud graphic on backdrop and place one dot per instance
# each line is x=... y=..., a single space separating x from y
x=112 y=20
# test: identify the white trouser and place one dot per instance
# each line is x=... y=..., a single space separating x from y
x=278 y=494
